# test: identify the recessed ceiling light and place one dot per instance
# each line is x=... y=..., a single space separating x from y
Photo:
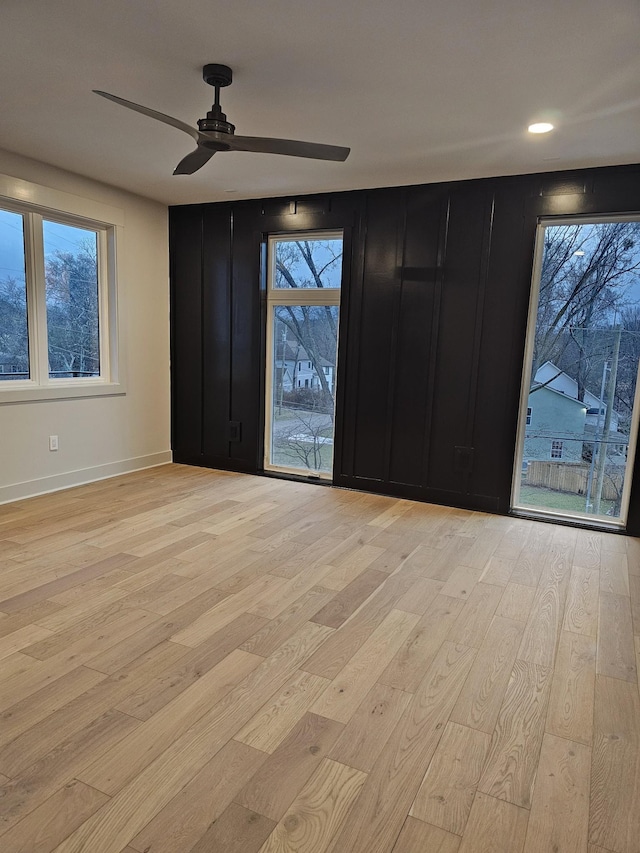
x=540 y=127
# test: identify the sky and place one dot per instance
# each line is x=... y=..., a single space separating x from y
x=57 y=236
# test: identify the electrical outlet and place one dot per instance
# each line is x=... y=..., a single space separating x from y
x=53 y=442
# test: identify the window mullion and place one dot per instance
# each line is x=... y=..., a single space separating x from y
x=36 y=299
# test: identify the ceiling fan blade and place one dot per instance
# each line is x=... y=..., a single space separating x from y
x=174 y=122
x=289 y=147
x=194 y=161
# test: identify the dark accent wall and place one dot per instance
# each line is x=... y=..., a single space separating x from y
x=433 y=320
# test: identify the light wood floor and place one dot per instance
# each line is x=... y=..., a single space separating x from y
x=202 y=661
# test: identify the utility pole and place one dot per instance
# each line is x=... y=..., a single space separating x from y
x=602 y=455
x=594 y=451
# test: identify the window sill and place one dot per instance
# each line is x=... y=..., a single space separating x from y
x=61 y=392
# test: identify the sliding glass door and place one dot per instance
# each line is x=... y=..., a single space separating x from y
x=303 y=307
x=579 y=406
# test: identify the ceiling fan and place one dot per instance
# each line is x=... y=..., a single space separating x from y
x=215 y=133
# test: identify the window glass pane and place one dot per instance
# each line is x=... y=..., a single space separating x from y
x=303 y=396
x=14 y=339
x=586 y=352
x=310 y=263
x=71 y=276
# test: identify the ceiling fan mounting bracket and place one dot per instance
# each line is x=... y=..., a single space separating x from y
x=217 y=75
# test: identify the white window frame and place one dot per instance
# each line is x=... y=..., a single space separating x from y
x=291 y=296
x=516 y=506
x=36 y=203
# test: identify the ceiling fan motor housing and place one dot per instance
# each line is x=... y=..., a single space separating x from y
x=217 y=76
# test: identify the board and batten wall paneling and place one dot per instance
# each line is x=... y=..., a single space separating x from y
x=432 y=327
x=187 y=334
x=216 y=343
x=373 y=333
x=411 y=405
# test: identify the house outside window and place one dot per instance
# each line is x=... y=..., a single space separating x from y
x=529 y=415
x=556 y=450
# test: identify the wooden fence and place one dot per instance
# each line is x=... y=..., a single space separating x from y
x=572 y=477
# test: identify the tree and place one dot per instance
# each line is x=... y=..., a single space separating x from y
x=586 y=273
x=301 y=264
x=307 y=437
x=72 y=311
x=14 y=344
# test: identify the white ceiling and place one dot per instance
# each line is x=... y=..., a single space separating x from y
x=422 y=90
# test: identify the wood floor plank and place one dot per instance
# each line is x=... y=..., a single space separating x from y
x=46 y=590
x=447 y=791
x=380 y=811
x=23 y=715
x=481 y=698
x=339 y=648
x=560 y=808
x=346 y=602
x=29 y=616
x=634 y=594
x=149 y=739
x=516 y=602
x=366 y=734
x=22 y=638
x=187 y=668
x=90 y=640
x=462 y=582
x=614 y=573
x=495 y=826
x=616 y=653
x=483 y=549
x=614 y=817
x=588 y=549
x=283 y=775
x=473 y=622
x=418 y=836
x=340 y=700
x=46 y=826
x=530 y=561
x=570 y=713
x=510 y=770
x=60 y=765
x=408 y=666
x=419 y=596
x=220 y=615
x=540 y=638
x=145 y=795
x=318 y=812
x=268 y=636
x=64 y=723
x=187 y=817
x=347 y=569
x=581 y=614
x=497 y=571
x=273 y=722
x=237 y=830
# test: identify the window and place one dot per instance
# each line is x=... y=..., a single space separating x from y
x=581 y=370
x=303 y=304
x=57 y=299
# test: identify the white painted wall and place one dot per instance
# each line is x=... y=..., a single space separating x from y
x=100 y=436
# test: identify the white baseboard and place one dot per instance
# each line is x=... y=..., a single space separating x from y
x=43 y=485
